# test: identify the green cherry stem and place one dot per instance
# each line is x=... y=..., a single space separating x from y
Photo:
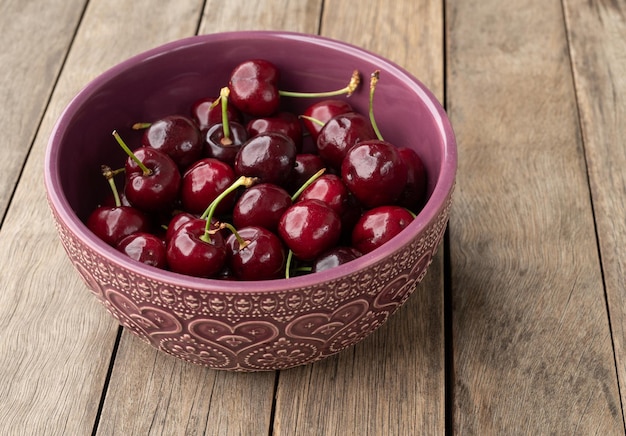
x=373 y=82
x=146 y=171
x=242 y=242
x=313 y=120
x=224 y=93
x=349 y=89
x=108 y=174
x=141 y=126
x=288 y=264
x=210 y=211
x=306 y=184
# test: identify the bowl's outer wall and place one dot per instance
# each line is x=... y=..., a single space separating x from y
x=256 y=325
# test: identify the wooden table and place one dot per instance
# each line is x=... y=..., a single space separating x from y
x=520 y=324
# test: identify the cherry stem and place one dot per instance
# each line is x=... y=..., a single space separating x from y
x=141 y=126
x=288 y=264
x=349 y=89
x=224 y=93
x=210 y=211
x=373 y=82
x=313 y=120
x=306 y=184
x=146 y=171
x=108 y=174
x=242 y=242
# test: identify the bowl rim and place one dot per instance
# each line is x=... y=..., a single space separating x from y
x=437 y=201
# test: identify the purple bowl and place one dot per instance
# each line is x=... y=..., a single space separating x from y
x=258 y=325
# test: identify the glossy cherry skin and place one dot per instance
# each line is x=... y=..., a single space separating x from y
x=145 y=248
x=268 y=156
x=114 y=223
x=330 y=189
x=203 y=182
x=261 y=205
x=309 y=228
x=414 y=193
x=335 y=257
x=177 y=136
x=225 y=150
x=340 y=134
x=323 y=111
x=176 y=222
x=188 y=254
x=374 y=172
x=305 y=167
x=154 y=192
x=286 y=123
x=253 y=87
x=377 y=226
x=205 y=114
x=262 y=258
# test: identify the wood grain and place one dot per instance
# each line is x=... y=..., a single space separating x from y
x=532 y=346
x=393 y=382
x=597 y=33
x=30 y=60
x=56 y=341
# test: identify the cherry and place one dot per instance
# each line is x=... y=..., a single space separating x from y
x=175 y=223
x=335 y=257
x=256 y=254
x=309 y=228
x=177 y=136
x=414 y=193
x=340 y=134
x=315 y=116
x=374 y=172
x=145 y=248
x=306 y=165
x=261 y=205
x=267 y=156
x=203 y=182
x=378 y=225
x=225 y=150
x=286 y=123
x=194 y=251
x=253 y=87
x=330 y=189
x=206 y=112
x=112 y=223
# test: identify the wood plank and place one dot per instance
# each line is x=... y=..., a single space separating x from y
x=532 y=346
x=56 y=340
x=597 y=33
x=180 y=398
x=393 y=382
x=30 y=60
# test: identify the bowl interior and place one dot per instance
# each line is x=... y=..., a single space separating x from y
x=168 y=79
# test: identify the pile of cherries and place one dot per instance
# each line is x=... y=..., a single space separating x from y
x=231 y=190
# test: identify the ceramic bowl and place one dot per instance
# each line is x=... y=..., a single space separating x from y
x=255 y=325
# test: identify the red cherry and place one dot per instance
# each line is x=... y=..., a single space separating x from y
x=335 y=257
x=374 y=172
x=414 y=193
x=305 y=166
x=206 y=113
x=253 y=87
x=309 y=228
x=114 y=223
x=284 y=122
x=216 y=146
x=268 y=156
x=330 y=189
x=203 y=182
x=322 y=112
x=261 y=205
x=261 y=256
x=177 y=136
x=377 y=226
x=145 y=248
x=340 y=134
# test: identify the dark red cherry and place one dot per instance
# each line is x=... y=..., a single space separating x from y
x=145 y=248
x=157 y=190
x=192 y=252
x=203 y=182
x=261 y=205
x=286 y=123
x=330 y=189
x=340 y=134
x=374 y=172
x=318 y=114
x=261 y=256
x=335 y=257
x=114 y=223
x=377 y=226
x=305 y=167
x=268 y=156
x=414 y=193
x=309 y=228
x=205 y=113
x=177 y=136
x=225 y=149
x=176 y=222
x=253 y=87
